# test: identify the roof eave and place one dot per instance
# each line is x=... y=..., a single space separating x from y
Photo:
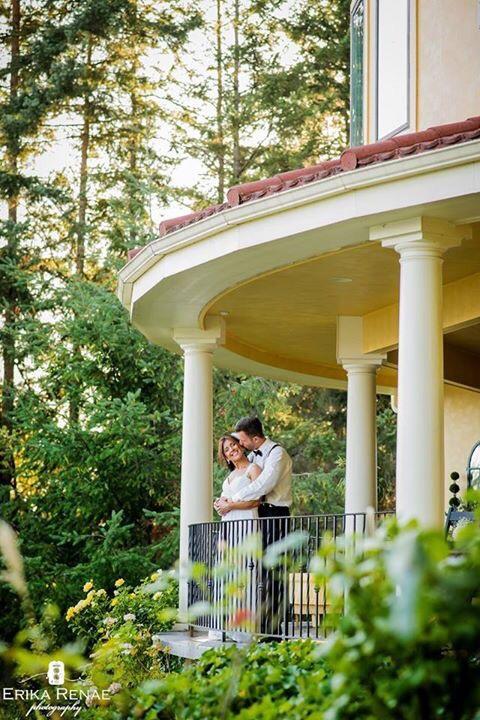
x=370 y=175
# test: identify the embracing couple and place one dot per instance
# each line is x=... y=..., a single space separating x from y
x=258 y=490
x=260 y=482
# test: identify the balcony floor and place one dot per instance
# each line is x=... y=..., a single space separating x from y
x=191 y=647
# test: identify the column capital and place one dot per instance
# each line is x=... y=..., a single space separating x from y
x=364 y=364
x=198 y=340
x=420 y=236
x=350 y=346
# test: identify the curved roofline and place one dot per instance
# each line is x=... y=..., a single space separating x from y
x=369 y=175
x=396 y=147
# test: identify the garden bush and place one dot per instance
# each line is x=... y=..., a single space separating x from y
x=123 y=630
x=407 y=648
x=266 y=680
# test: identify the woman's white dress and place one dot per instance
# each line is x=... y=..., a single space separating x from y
x=238 y=554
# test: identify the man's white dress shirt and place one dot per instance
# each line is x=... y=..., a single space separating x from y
x=275 y=480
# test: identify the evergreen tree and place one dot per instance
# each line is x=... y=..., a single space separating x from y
x=269 y=94
x=94 y=427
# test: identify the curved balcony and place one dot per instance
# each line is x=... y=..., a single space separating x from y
x=263 y=578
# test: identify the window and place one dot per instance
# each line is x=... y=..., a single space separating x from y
x=356 y=73
x=392 y=106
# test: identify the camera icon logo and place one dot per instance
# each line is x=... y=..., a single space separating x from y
x=56 y=672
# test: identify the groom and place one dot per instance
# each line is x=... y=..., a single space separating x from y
x=273 y=487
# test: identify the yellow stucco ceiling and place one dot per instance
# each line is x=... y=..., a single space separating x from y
x=291 y=313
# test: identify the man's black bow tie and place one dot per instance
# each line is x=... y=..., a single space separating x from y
x=258 y=452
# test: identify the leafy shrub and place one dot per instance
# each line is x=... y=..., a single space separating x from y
x=266 y=680
x=408 y=647
x=123 y=629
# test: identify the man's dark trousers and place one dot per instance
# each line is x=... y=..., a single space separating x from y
x=274 y=595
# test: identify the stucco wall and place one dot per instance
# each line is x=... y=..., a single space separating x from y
x=448 y=61
x=444 y=63
x=462 y=430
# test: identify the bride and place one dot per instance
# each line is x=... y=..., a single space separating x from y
x=239 y=547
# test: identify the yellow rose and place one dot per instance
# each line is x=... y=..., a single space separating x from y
x=101 y=592
x=153 y=576
x=132 y=596
x=119 y=582
x=114 y=602
x=70 y=613
x=88 y=586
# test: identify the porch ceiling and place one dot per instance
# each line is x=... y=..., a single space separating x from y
x=281 y=269
x=290 y=314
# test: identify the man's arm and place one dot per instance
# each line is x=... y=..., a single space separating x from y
x=276 y=464
x=223 y=506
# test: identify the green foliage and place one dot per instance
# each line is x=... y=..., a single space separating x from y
x=407 y=647
x=264 y=681
x=90 y=412
x=318 y=493
x=122 y=630
x=269 y=92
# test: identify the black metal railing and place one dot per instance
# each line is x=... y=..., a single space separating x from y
x=256 y=577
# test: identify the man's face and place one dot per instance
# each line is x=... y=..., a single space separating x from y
x=249 y=443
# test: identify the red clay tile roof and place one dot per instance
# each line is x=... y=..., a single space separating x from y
x=351 y=158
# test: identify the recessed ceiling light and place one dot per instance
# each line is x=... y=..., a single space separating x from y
x=341 y=280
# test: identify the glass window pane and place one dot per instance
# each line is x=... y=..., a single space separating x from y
x=392 y=66
x=356 y=75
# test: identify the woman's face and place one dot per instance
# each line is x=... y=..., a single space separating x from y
x=232 y=450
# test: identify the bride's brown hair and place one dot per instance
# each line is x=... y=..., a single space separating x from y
x=222 y=460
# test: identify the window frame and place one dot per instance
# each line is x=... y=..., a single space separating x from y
x=353 y=10
x=407 y=123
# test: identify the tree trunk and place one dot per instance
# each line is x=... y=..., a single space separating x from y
x=131 y=188
x=84 y=151
x=220 y=131
x=81 y=229
x=7 y=461
x=236 y=95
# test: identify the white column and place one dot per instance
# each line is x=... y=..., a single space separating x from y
x=361 y=369
x=196 y=494
x=361 y=467
x=420 y=243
